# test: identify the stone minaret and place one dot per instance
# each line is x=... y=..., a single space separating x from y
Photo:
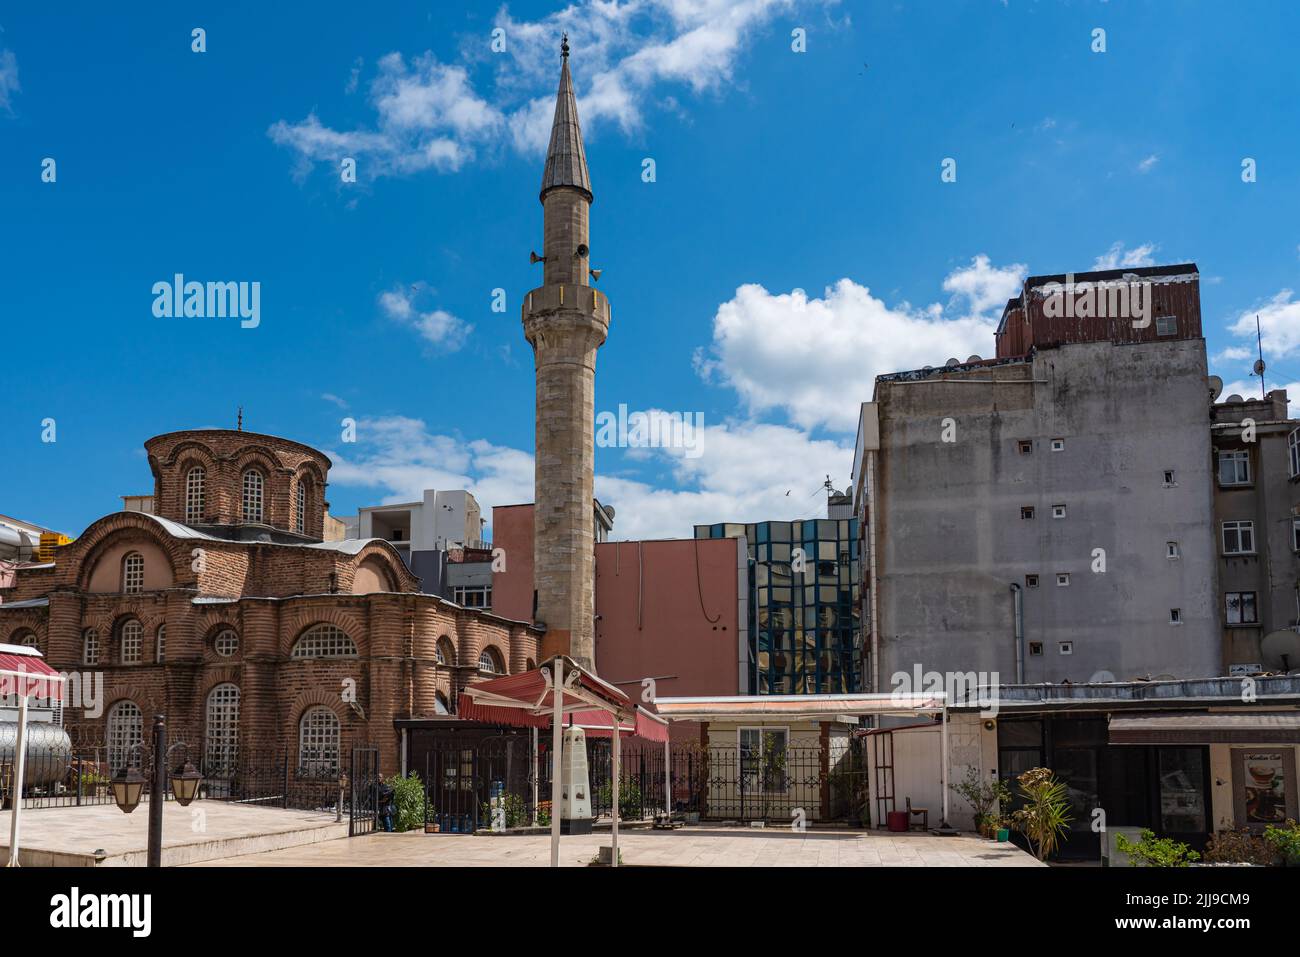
x=565 y=321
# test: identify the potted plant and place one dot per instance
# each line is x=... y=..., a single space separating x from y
x=983 y=797
x=1286 y=840
x=1240 y=847
x=1046 y=812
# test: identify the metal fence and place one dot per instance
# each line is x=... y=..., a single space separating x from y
x=82 y=776
x=819 y=785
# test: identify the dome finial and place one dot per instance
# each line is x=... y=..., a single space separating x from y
x=564 y=45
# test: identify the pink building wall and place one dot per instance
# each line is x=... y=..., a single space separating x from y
x=656 y=619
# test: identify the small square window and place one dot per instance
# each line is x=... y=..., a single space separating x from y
x=1166 y=325
x=1058 y=445
x=1175 y=616
x=1026 y=511
x=1171 y=550
x=1026 y=446
x=1065 y=647
x=1169 y=478
x=1035 y=648
x=1062 y=579
x=1031 y=581
x=1058 y=511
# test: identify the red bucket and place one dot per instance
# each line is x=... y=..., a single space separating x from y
x=896 y=820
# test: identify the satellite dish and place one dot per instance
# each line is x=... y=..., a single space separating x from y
x=1101 y=677
x=1281 y=650
x=952 y=362
x=1235 y=398
x=1216 y=387
x=973 y=359
x=1258 y=367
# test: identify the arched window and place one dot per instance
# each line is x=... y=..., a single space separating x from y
x=252 y=496
x=125 y=731
x=132 y=642
x=324 y=641
x=489 y=662
x=133 y=572
x=443 y=652
x=90 y=647
x=25 y=638
x=194 y=483
x=300 y=519
x=160 y=644
x=226 y=644
x=221 y=741
x=318 y=743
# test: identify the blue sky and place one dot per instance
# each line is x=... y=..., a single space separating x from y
x=797 y=239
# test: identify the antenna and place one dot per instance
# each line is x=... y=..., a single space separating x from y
x=239 y=420
x=1259 y=363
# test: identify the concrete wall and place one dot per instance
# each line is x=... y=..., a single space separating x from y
x=951 y=539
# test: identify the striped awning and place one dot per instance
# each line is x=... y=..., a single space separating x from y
x=23 y=672
x=1251 y=727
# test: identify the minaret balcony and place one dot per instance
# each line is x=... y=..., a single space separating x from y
x=567 y=297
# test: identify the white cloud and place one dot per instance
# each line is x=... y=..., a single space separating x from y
x=1118 y=257
x=1279 y=324
x=436 y=326
x=428 y=114
x=8 y=79
x=1148 y=164
x=818 y=358
x=744 y=474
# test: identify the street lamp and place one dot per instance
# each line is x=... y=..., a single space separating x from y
x=128 y=785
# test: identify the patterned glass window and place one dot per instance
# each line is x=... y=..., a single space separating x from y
x=221 y=743
x=443 y=653
x=125 y=731
x=325 y=641
x=489 y=662
x=226 y=643
x=132 y=642
x=252 y=496
x=133 y=573
x=160 y=645
x=318 y=743
x=300 y=521
x=90 y=647
x=25 y=638
x=194 y=488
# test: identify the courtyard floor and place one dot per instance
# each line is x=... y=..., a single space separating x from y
x=688 y=847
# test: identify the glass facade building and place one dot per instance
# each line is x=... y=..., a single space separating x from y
x=805 y=613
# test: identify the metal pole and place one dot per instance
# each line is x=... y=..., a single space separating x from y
x=618 y=760
x=668 y=780
x=536 y=784
x=20 y=768
x=156 y=790
x=557 y=746
x=944 y=732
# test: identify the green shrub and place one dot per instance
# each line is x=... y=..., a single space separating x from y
x=1152 y=851
x=1286 y=840
x=516 y=812
x=629 y=797
x=408 y=798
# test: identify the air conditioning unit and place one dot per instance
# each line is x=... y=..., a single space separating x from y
x=575 y=784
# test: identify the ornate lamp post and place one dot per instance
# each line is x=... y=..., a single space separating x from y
x=128 y=786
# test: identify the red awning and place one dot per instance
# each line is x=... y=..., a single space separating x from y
x=526 y=700
x=28 y=675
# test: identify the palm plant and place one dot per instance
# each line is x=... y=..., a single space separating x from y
x=1045 y=815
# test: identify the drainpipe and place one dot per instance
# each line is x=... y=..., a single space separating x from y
x=1018 y=601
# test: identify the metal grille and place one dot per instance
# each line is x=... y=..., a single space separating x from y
x=325 y=641
x=132 y=642
x=133 y=573
x=221 y=745
x=125 y=731
x=194 y=494
x=318 y=743
x=252 y=501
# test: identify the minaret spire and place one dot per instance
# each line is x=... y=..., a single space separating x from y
x=566 y=160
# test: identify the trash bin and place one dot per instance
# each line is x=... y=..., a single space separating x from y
x=897 y=820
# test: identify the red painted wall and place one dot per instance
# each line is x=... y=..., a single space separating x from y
x=512 y=590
